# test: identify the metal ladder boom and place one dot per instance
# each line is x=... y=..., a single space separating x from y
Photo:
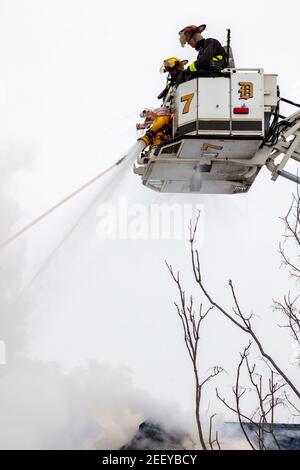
x=288 y=146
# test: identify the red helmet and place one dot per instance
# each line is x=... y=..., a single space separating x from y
x=188 y=31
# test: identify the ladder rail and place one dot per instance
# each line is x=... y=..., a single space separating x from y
x=288 y=146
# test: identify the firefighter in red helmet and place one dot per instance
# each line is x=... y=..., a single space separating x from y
x=211 y=55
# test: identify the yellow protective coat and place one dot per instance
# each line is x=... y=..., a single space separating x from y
x=155 y=135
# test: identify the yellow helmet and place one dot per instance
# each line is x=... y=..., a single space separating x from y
x=171 y=63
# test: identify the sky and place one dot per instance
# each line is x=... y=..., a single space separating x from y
x=74 y=76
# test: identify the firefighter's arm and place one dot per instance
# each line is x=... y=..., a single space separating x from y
x=164 y=93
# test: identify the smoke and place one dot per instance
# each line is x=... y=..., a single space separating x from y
x=12 y=320
x=43 y=406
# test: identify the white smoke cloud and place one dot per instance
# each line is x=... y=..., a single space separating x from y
x=43 y=408
x=41 y=405
x=14 y=155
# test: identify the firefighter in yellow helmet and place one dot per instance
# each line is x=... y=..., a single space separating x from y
x=160 y=130
x=175 y=68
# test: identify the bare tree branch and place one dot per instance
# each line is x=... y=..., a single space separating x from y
x=268 y=389
x=244 y=322
x=191 y=324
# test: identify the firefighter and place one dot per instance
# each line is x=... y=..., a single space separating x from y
x=211 y=55
x=175 y=68
x=160 y=130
